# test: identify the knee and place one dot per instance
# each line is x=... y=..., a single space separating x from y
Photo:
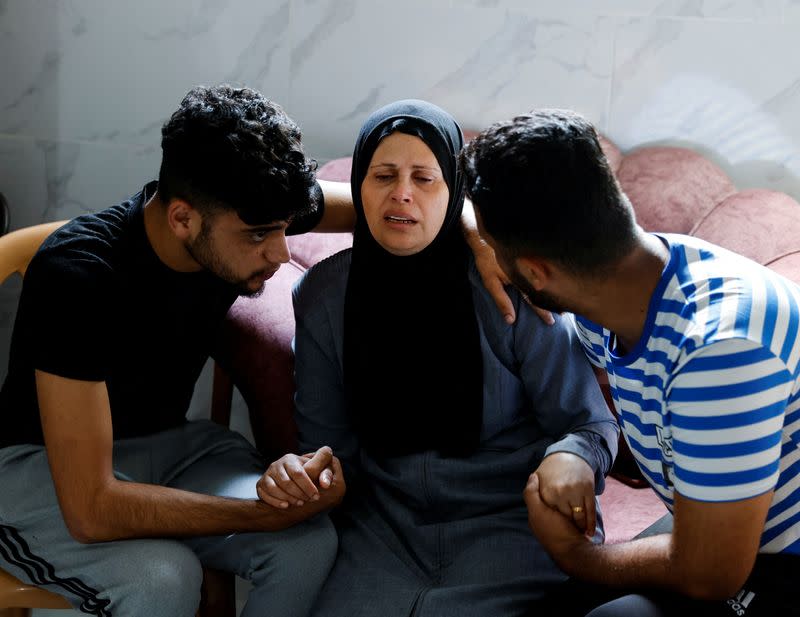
x=602 y=611
x=309 y=547
x=627 y=606
x=168 y=581
x=320 y=540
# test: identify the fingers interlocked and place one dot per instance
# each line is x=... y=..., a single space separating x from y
x=291 y=479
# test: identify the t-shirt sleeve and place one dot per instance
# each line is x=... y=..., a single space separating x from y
x=67 y=303
x=592 y=339
x=727 y=405
x=308 y=220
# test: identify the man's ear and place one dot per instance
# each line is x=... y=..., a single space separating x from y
x=536 y=270
x=184 y=220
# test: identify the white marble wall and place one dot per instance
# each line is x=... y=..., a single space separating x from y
x=86 y=84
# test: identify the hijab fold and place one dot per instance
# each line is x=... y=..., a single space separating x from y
x=413 y=372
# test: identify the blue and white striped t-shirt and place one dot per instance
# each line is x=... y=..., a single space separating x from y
x=709 y=399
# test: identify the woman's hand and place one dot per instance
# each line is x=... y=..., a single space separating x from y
x=566 y=484
x=295 y=479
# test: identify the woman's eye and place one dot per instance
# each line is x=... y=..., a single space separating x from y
x=258 y=236
x=424 y=179
x=383 y=177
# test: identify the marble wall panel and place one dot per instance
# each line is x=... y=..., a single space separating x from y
x=704 y=9
x=102 y=71
x=352 y=57
x=701 y=83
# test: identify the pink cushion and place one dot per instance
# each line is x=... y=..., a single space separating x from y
x=308 y=249
x=612 y=153
x=672 y=188
x=337 y=170
x=628 y=511
x=757 y=223
x=255 y=349
x=788 y=266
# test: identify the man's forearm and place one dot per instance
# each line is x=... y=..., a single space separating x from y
x=339 y=215
x=647 y=563
x=640 y=563
x=131 y=510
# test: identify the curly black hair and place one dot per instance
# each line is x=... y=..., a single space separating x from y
x=543 y=187
x=229 y=148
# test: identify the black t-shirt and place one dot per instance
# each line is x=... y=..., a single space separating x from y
x=97 y=304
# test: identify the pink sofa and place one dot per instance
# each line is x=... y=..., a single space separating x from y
x=672 y=189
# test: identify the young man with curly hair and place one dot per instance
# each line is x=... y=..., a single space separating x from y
x=110 y=497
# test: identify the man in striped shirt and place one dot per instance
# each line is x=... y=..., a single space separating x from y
x=702 y=353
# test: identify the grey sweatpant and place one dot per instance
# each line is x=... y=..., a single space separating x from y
x=160 y=577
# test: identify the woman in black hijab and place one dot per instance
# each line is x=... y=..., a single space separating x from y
x=405 y=290
x=437 y=409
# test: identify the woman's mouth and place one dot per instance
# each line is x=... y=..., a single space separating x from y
x=399 y=219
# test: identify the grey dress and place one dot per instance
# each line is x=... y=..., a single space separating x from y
x=426 y=535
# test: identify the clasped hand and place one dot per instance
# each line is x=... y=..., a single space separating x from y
x=565 y=484
x=294 y=480
x=561 y=507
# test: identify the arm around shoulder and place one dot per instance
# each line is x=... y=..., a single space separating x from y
x=338 y=215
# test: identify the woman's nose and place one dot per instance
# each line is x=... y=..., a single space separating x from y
x=402 y=190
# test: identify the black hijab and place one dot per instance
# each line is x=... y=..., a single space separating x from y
x=413 y=372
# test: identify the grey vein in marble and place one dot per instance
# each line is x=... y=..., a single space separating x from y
x=494 y=61
x=151 y=127
x=572 y=67
x=690 y=8
x=79 y=29
x=255 y=60
x=336 y=14
x=365 y=106
x=199 y=22
x=785 y=100
x=61 y=160
x=666 y=32
x=46 y=76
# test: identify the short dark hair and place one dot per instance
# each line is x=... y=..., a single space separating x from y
x=229 y=148
x=543 y=187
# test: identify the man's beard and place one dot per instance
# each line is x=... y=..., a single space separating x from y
x=542 y=299
x=203 y=253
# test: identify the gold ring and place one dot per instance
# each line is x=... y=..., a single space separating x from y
x=577 y=509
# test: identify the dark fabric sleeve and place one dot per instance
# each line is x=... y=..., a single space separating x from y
x=67 y=307
x=320 y=405
x=308 y=220
x=564 y=391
